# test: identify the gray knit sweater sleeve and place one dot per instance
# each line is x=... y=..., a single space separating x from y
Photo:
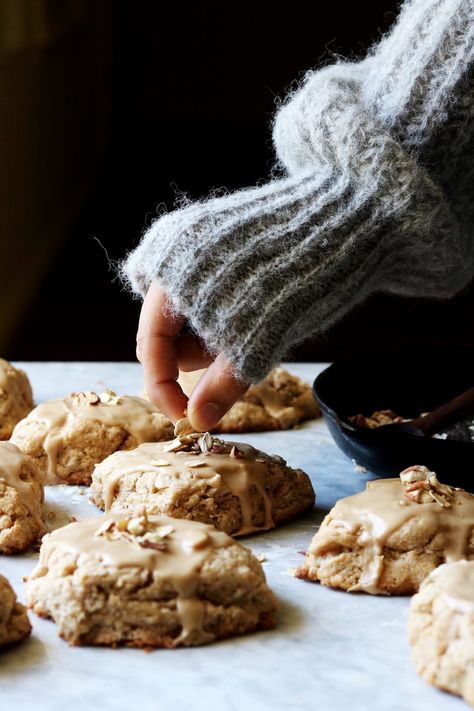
x=376 y=195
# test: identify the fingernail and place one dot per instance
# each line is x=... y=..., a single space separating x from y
x=206 y=416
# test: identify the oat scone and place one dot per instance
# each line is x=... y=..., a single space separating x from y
x=67 y=437
x=21 y=498
x=148 y=581
x=197 y=476
x=279 y=402
x=441 y=629
x=16 y=397
x=14 y=622
x=388 y=538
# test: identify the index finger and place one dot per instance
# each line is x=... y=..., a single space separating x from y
x=156 y=350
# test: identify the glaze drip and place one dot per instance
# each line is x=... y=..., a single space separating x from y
x=239 y=465
x=132 y=414
x=171 y=550
x=385 y=506
x=11 y=463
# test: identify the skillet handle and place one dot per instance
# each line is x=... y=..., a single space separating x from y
x=452 y=411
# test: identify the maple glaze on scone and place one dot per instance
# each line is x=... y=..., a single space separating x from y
x=197 y=476
x=21 y=498
x=67 y=437
x=387 y=539
x=441 y=629
x=148 y=581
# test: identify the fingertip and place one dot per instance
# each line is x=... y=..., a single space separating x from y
x=206 y=416
x=214 y=395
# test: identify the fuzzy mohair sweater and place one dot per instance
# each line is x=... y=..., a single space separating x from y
x=376 y=196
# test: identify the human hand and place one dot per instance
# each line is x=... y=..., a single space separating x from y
x=163 y=349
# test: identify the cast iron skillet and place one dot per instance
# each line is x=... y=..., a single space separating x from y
x=408 y=382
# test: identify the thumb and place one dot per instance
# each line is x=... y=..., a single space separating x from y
x=216 y=392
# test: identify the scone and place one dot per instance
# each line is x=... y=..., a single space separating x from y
x=279 y=402
x=231 y=485
x=68 y=437
x=16 y=397
x=21 y=498
x=387 y=539
x=148 y=582
x=14 y=622
x=441 y=629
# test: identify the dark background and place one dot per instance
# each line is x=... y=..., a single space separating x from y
x=134 y=103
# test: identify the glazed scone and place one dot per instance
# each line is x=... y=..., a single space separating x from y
x=279 y=402
x=441 y=629
x=388 y=538
x=148 y=582
x=14 y=622
x=16 y=397
x=67 y=437
x=231 y=485
x=21 y=498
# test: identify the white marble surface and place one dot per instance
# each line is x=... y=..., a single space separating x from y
x=331 y=650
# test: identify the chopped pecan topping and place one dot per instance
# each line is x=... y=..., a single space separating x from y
x=421 y=486
x=377 y=419
x=201 y=443
x=82 y=399
x=87 y=397
x=183 y=427
x=138 y=530
x=204 y=443
x=108 y=397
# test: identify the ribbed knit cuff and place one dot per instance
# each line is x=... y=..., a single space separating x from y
x=258 y=271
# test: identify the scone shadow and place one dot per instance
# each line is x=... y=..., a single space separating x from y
x=16 y=657
x=290 y=617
